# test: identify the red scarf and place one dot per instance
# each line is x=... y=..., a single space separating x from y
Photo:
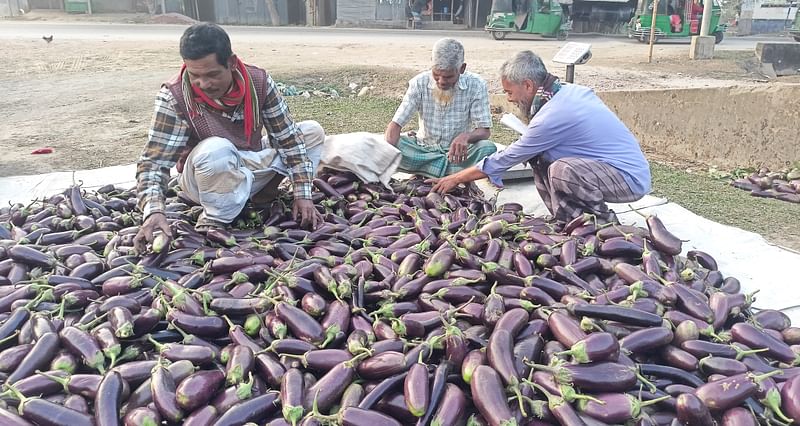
x=242 y=90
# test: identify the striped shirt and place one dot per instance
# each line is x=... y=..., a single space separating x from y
x=169 y=135
x=439 y=124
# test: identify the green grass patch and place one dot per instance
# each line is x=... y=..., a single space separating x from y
x=711 y=198
x=716 y=200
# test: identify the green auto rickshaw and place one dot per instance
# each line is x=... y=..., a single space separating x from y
x=795 y=31
x=548 y=18
x=674 y=19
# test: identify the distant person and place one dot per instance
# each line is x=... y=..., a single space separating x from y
x=208 y=123
x=417 y=7
x=454 y=117
x=582 y=155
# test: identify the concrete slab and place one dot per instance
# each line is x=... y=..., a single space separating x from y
x=784 y=56
x=758 y=264
x=702 y=47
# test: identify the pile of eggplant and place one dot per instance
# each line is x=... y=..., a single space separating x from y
x=765 y=184
x=404 y=307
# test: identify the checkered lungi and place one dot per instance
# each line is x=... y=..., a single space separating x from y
x=573 y=186
x=431 y=161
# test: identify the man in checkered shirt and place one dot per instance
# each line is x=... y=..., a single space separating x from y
x=209 y=124
x=454 y=117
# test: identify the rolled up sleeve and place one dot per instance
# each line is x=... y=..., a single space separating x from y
x=531 y=144
x=287 y=139
x=166 y=142
x=409 y=105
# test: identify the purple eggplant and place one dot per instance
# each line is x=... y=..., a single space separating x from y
x=613 y=408
x=620 y=314
x=646 y=339
x=197 y=390
x=416 y=390
x=489 y=397
x=595 y=377
x=354 y=416
x=330 y=387
x=596 y=347
x=291 y=396
x=452 y=409
x=142 y=416
x=382 y=365
x=108 y=400
x=751 y=336
x=84 y=345
x=730 y=392
x=301 y=324
x=205 y=416
x=661 y=238
x=254 y=409
x=162 y=387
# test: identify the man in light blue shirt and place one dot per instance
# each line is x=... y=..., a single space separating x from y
x=582 y=155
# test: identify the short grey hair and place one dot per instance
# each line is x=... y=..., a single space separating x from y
x=448 y=55
x=525 y=65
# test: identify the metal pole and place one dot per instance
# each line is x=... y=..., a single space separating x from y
x=706 y=23
x=653 y=31
x=89 y=6
x=570 y=73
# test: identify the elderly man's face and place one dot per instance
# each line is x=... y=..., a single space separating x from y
x=208 y=75
x=446 y=79
x=520 y=94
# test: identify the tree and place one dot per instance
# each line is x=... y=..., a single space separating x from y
x=273 y=12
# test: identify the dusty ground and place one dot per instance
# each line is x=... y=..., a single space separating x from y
x=89 y=93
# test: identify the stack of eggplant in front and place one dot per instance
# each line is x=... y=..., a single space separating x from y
x=402 y=308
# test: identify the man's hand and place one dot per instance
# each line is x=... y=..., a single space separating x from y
x=392 y=133
x=445 y=184
x=304 y=209
x=155 y=222
x=458 y=149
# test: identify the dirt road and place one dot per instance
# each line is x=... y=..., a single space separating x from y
x=89 y=93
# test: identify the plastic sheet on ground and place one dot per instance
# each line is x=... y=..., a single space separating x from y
x=747 y=256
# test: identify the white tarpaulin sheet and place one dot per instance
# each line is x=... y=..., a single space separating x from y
x=758 y=264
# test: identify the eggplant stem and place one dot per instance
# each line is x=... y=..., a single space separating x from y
x=59 y=380
x=9 y=338
x=158 y=346
x=654 y=401
x=93 y=322
x=650 y=386
x=521 y=403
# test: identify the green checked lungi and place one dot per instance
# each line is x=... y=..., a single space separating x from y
x=431 y=161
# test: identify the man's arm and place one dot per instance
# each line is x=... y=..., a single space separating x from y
x=404 y=112
x=481 y=118
x=447 y=183
x=477 y=135
x=288 y=141
x=392 y=133
x=457 y=152
x=166 y=142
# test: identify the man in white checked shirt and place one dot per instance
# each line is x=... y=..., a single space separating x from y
x=454 y=117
